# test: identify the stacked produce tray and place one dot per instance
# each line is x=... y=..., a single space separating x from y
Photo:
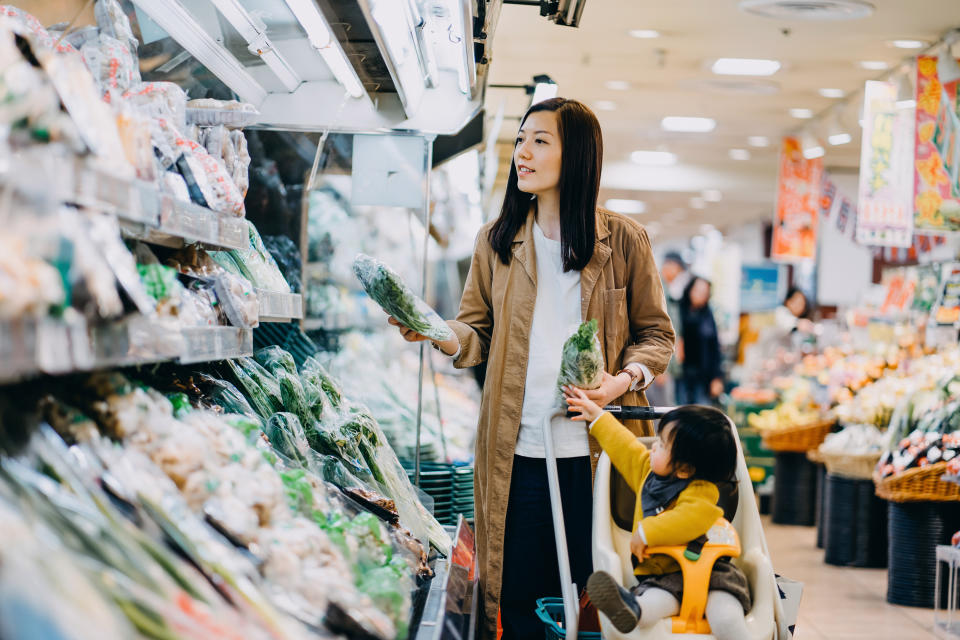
x=450 y=486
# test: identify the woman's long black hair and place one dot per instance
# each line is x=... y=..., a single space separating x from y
x=581 y=161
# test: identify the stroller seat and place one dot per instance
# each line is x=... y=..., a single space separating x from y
x=613 y=508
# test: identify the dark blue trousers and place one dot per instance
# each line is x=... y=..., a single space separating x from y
x=530 y=568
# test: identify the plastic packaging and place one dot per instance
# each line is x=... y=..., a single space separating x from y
x=165 y=100
x=581 y=363
x=387 y=289
x=238 y=300
x=275 y=359
x=288 y=259
x=113 y=22
x=113 y=65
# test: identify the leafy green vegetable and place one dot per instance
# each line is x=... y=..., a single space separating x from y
x=386 y=288
x=581 y=362
x=262 y=388
x=287 y=437
x=273 y=359
x=318 y=375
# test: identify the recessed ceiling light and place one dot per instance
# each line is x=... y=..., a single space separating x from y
x=605 y=105
x=617 y=85
x=873 y=65
x=626 y=206
x=839 y=138
x=832 y=93
x=661 y=158
x=745 y=67
x=739 y=154
x=712 y=195
x=758 y=141
x=644 y=34
x=688 y=125
x=813 y=152
x=908 y=44
x=802 y=114
x=698 y=203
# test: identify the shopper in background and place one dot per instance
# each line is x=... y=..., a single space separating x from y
x=794 y=314
x=702 y=377
x=551 y=260
x=663 y=391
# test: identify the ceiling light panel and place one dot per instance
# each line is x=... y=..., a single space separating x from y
x=802 y=114
x=617 y=85
x=745 y=67
x=832 y=93
x=908 y=44
x=739 y=154
x=644 y=34
x=632 y=207
x=605 y=105
x=758 y=141
x=657 y=158
x=686 y=124
x=873 y=65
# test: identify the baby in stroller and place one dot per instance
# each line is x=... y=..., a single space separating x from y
x=680 y=483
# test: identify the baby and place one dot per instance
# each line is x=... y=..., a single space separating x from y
x=676 y=484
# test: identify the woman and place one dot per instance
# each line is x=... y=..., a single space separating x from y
x=702 y=374
x=549 y=261
x=794 y=314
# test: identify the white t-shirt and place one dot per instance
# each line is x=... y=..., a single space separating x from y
x=556 y=315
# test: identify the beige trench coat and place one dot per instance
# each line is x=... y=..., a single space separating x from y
x=620 y=287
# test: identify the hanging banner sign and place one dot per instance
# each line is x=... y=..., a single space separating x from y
x=937 y=162
x=828 y=195
x=798 y=205
x=947 y=309
x=885 y=196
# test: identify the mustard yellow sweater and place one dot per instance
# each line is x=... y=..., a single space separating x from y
x=689 y=516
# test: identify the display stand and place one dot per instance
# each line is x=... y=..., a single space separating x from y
x=450 y=610
x=854 y=523
x=916 y=528
x=946 y=618
x=794 y=489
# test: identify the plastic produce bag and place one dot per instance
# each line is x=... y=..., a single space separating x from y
x=287 y=257
x=388 y=290
x=222 y=394
x=261 y=388
x=238 y=300
x=581 y=364
x=273 y=358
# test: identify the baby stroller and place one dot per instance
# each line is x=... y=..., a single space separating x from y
x=613 y=507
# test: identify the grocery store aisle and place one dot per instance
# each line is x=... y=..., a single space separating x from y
x=840 y=603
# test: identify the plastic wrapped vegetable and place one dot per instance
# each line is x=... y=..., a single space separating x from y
x=287 y=437
x=387 y=289
x=273 y=358
x=317 y=374
x=293 y=396
x=222 y=394
x=581 y=364
x=262 y=388
x=287 y=257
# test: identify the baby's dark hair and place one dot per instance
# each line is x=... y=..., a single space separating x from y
x=701 y=438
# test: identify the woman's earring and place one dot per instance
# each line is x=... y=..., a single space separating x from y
x=533 y=196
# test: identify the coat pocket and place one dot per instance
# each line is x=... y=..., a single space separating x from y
x=615 y=321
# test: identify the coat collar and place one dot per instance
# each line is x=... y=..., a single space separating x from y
x=524 y=252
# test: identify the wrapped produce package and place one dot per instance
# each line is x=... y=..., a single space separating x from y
x=581 y=363
x=387 y=289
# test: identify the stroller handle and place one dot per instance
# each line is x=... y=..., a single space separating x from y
x=633 y=413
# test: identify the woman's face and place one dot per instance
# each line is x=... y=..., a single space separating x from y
x=699 y=294
x=796 y=303
x=538 y=153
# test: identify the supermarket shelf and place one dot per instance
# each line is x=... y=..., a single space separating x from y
x=230 y=118
x=279 y=307
x=150 y=215
x=31 y=347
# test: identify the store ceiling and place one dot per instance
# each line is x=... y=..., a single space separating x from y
x=670 y=76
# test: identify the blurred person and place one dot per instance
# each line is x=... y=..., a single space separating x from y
x=701 y=380
x=794 y=314
x=675 y=276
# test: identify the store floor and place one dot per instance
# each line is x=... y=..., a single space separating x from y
x=841 y=603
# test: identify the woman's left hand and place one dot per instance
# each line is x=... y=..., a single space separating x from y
x=611 y=388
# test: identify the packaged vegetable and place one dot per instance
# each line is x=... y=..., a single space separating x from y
x=581 y=363
x=387 y=289
x=274 y=359
x=261 y=388
x=238 y=300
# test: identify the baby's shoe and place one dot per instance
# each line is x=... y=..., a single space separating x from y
x=614 y=601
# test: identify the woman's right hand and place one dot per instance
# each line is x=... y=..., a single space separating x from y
x=448 y=347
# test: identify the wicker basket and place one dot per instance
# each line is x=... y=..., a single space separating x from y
x=924 y=484
x=856 y=466
x=798 y=439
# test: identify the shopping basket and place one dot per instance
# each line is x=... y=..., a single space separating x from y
x=550 y=612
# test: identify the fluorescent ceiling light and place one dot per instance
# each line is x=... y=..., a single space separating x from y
x=814 y=152
x=626 y=206
x=739 y=154
x=841 y=137
x=697 y=203
x=802 y=114
x=253 y=31
x=908 y=44
x=745 y=67
x=644 y=34
x=873 y=65
x=712 y=195
x=321 y=39
x=688 y=125
x=617 y=85
x=661 y=158
x=832 y=93
x=758 y=141
x=605 y=105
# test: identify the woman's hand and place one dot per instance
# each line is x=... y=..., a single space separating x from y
x=638 y=547
x=448 y=347
x=611 y=388
x=716 y=387
x=577 y=400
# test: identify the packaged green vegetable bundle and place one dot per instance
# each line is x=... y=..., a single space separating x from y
x=581 y=363
x=386 y=288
